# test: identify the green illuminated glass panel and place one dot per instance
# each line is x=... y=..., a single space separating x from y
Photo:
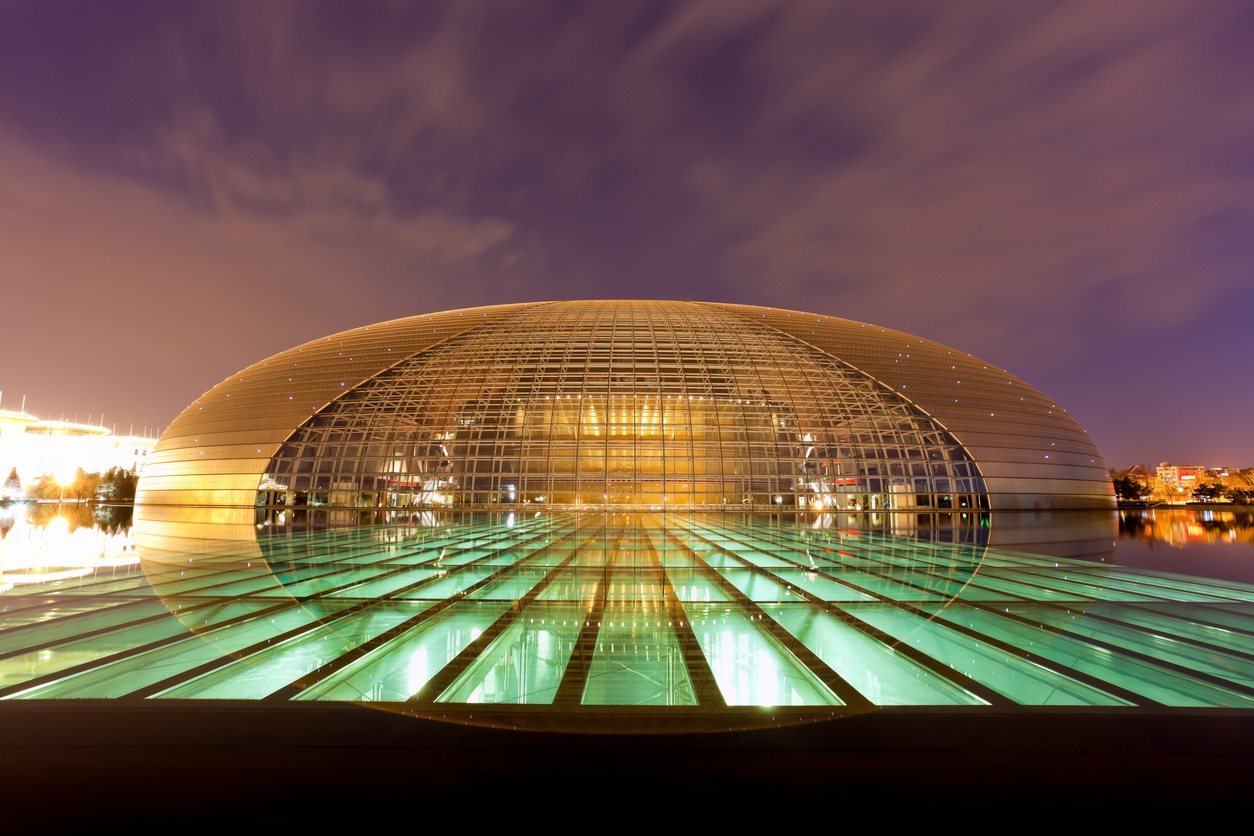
x=638 y=661
x=261 y=674
x=749 y=665
x=400 y=668
x=525 y=663
x=878 y=672
x=123 y=676
x=1018 y=679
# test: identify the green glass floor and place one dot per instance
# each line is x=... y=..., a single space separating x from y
x=565 y=617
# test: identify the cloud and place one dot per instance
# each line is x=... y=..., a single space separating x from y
x=106 y=269
x=1013 y=160
x=1022 y=180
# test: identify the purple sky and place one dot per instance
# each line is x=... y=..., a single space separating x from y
x=1065 y=189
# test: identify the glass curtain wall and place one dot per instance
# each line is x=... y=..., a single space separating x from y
x=642 y=405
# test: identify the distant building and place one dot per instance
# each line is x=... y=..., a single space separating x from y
x=1137 y=474
x=1178 y=477
x=59 y=448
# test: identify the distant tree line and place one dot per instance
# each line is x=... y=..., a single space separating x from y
x=114 y=485
x=1214 y=491
x=1236 y=487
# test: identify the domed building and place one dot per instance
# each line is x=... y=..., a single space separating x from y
x=624 y=405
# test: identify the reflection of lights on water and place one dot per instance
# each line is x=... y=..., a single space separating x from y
x=44 y=576
x=51 y=552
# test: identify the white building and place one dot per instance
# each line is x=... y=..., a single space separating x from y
x=59 y=448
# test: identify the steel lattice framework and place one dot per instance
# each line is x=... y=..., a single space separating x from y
x=624 y=405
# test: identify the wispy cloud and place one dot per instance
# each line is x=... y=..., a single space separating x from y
x=986 y=174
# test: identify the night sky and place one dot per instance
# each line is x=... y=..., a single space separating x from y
x=1065 y=189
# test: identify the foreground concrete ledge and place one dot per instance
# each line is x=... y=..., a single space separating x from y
x=311 y=725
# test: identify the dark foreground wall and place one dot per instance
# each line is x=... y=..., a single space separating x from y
x=179 y=767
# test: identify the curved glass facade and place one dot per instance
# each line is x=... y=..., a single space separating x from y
x=621 y=405
x=641 y=405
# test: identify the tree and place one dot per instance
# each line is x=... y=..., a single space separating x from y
x=1127 y=489
x=1208 y=491
x=118 y=485
x=12 y=486
x=1240 y=496
x=85 y=485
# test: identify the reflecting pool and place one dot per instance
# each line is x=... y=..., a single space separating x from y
x=636 y=622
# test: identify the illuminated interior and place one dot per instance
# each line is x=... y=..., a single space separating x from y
x=643 y=406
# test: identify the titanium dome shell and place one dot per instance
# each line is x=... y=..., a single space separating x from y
x=620 y=405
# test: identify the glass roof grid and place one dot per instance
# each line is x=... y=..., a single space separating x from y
x=399 y=667
x=905 y=559
x=639 y=660
x=1236 y=668
x=762 y=560
x=547 y=557
x=450 y=585
x=1218 y=593
x=274 y=668
x=567 y=682
x=884 y=588
x=511 y=586
x=1021 y=680
x=471 y=656
x=573 y=583
x=385 y=586
x=633 y=584
x=942 y=586
x=1085 y=589
x=695 y=586
x=1187 y=616
x=135 y=584
x=1104 y=663
x=469 y=578
x=769 y=652
x=879 y=672
x=836 y=561
x=1017 y=590
x=162 y=659
x=50 y=663
x=828 y=580
x=756 y=586
x=29 y=633
x=1240 y=622
x=749 y=665
x=526 y=662
x=1183 y=626
x=223 y=583
x=507 y=558
x=820 y=586
x=465 y=556
x=1195 y=590
x=706 y=689
x=330 y=583
x=722 y=560
x=347 y=555
x=293 y=574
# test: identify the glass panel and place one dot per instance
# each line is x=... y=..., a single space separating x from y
x=750 y=666
x=638 y=661
x=1019 y=679
x=526 y=662
x=878 y=672
x=399 y=669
